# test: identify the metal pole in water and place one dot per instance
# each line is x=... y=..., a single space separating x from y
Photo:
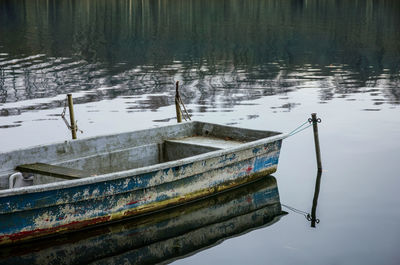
x=177 y=106
x=315 y=122
x=71 y=115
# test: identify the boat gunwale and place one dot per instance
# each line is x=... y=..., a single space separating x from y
x=142 y=170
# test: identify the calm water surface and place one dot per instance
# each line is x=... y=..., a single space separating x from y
x=262 y=64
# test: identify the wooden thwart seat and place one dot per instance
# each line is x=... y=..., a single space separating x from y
x=208 y=141
x=53 y=171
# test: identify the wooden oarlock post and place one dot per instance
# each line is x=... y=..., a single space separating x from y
x=177 y=104
x=315 y=122
x=71 y=116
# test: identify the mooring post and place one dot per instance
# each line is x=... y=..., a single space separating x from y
x=177 y=106
x=315 y=122
x=71 y=115
x=314 y=219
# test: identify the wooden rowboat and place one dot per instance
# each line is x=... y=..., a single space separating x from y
x=159 y=237
x=80 y=183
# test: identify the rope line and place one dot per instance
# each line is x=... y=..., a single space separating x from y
x=300 y=128
x=65 y=120
x=305 y=214
x=184 y=112
x=295 y=210
x=180 y=104
x=183 y=105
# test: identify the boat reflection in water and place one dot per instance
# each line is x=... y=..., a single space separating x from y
x=160 y=237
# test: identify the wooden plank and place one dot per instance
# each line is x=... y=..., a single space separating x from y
x=53 y=171
x=212 y=142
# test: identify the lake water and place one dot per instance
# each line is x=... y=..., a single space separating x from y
x=262 y=64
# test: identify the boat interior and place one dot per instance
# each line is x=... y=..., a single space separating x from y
x=113 y=153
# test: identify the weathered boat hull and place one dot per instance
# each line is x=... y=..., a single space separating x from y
x=37 y=211
x=166 y=235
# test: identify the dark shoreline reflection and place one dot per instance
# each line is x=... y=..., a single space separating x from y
x=229 y=49
x=163 y=236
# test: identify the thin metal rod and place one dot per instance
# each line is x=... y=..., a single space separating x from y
x=315 y=121
x=71 y=115
x=177 y=106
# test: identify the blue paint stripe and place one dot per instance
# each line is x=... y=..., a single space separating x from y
x=48 y=198
x=43 y=203
x=129 y=235
x=14 y=222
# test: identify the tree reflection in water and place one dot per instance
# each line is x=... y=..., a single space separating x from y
x=224 y=52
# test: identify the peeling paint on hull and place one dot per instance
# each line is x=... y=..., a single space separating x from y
x=162 y=236
x=31 y=215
